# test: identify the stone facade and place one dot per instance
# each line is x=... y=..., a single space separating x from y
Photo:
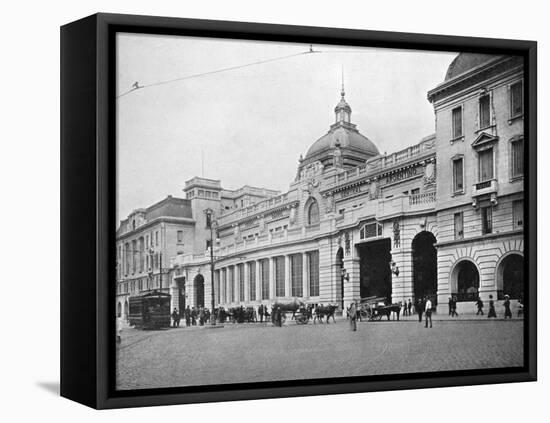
x=355 y=223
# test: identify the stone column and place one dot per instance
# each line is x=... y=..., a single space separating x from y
x=352 y=288
x=288 y=275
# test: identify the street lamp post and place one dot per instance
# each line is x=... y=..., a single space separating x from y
x=210 y=223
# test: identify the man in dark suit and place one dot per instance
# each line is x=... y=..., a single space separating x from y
x=419 y=306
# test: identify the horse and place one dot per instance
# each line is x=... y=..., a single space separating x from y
x=286 y=308
x=388 y=310
x=325 y=311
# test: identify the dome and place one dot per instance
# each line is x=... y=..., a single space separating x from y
x=348 y=139
x=465 y=62
x=342 y=146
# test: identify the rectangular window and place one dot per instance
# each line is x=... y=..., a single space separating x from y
x=415 y=191
x=157 y=238
x=485 y=158
x=279 y=276
x=296 y=275
x=134 y=256
x=252 y=280
x=517 y=158
x=217 y=287
x=459 y=225
x=516 y=99
x=241 y=282
x=264 y=270
x=314 y=273
x=457 y=122
x=484 y=111
x=224 y=285
x=141 y=254
x=180 y=237
x=458 y=175
x=486 y=220
x=517 y=210
x=231 y=283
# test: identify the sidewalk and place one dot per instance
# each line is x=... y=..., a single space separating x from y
x=466 y=317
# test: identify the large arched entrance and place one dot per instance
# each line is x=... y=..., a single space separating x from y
x=199 y=290
x=119 y=310
x=424 y=260
x=465 y=281
x=375 y=276
x=510 y=277
x=126 y=310
x=339 y=275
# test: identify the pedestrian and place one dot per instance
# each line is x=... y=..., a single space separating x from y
x=187 y=316
x=507 y=311
x=118 y=329
x=492 y=312
x=404 y=305
x=193 y=316
x=419 y=306
x=521 y=308
x=409 y=307
x=175 y=318
x=261 y=313
x=428 y=311
x=353 y=316
x=479 y=305
x=278 y=317
x=453 y=307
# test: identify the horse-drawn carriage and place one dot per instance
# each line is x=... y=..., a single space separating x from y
x=300 y=312
x=374 y=308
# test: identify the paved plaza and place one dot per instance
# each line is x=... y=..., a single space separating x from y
x=262 y=352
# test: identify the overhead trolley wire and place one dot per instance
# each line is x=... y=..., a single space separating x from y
x=136 y=86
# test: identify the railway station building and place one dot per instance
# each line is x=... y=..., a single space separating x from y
x=442 y=217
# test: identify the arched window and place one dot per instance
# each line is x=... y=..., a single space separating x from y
x=313 y=213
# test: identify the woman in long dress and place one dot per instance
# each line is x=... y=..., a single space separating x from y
x=492 y=312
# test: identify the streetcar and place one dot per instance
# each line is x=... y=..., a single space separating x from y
x=150 y=310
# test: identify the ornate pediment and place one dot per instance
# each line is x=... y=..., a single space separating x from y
x=484 y=139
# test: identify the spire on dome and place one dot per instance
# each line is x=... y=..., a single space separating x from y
x=343 y=92
x=342 y=109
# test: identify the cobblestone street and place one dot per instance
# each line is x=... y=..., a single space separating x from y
x=259 y=352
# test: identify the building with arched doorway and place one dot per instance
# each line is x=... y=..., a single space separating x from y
x=442 y=217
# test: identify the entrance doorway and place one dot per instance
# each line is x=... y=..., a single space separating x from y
x=465 y=281
x=510 y=277
x=375 y=275
x=424 y=259
x=199 y=290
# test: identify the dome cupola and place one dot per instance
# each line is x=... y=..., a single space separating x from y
x=343 y=146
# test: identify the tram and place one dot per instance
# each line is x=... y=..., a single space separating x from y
x=150 y=310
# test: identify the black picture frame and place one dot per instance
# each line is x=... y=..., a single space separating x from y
x=88 y=209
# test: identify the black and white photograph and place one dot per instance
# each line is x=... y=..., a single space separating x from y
x=292 y=211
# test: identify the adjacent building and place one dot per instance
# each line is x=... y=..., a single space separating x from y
x=441 y=217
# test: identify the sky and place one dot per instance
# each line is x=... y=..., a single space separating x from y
x=248 y=126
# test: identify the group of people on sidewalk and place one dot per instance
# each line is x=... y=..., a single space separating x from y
x=192 y=316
